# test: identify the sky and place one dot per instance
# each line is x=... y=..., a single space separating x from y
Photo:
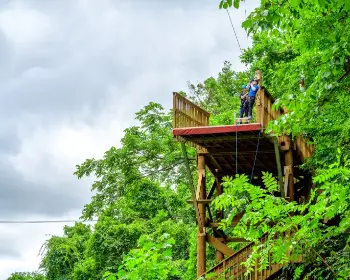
x=72 y=76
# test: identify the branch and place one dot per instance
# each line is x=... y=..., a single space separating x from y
x=325 y=262
x=342 y=77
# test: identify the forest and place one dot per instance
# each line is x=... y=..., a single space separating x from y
x=146 y=229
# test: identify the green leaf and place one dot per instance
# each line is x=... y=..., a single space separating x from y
x=294 y=3
x=236 y=4
x=274 y=32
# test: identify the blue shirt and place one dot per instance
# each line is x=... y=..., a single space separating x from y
x=253 y=90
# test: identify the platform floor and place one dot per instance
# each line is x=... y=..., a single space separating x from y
x=220 y=143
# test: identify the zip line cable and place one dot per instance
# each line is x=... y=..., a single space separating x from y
x=45 y=221
x=234 y=30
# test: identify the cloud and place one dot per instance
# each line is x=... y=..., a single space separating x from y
x=72 y=75
x=21 y=198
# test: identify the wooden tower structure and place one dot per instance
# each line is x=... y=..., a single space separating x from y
x=225 y=151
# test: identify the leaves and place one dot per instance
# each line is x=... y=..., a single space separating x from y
x=292 y=229
x=26 y=276
x=140 y=191
x=228 y=4
x=150 y=260
x=294 y=3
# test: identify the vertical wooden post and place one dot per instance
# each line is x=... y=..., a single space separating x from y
x=288 y=159
x=220 y=216
x=201 y=239
x=279 y=167
x=260 y=98
x=174 y=110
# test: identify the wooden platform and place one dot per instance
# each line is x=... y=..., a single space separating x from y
x=241 y=148
x=218 y=143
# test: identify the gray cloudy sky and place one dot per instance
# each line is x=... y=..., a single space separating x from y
x=72 y=74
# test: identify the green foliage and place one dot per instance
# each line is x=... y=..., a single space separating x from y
x=310 y=38
x=151 y=260
x=291 y=40
x=293 y=229
x=220 y=96
x=147 y=150
x=61 y=254
x=111 y=240
x=140 y=189
x=225 y=4
x=26 y=276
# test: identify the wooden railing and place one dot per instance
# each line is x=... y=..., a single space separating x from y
x=264 y=110
x=303 y=148
x=188 y=114
x=265 y=113
x=232 y=267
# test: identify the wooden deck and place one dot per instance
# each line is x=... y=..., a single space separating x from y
x=218 y=144
x=225 y=151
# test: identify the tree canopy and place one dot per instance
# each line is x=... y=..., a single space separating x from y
x=145 y=227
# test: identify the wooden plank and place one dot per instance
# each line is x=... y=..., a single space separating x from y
x=279 y=167
x=201 y=236
x=219 y=256
x=174 y=111
x=211 y=138
x=189 y=119
x=188 y=114
x=223 y=248
x=215 y=164
x=230 y=152
x=189 y=102
x=212 y=189
x=201 y=201
x=286 y=176
x=236 y=239
x=209 y=212
x=201 y=180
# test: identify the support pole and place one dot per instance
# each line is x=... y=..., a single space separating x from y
x=279 y=166
x=201 y=238
x=220 y=215
x=288 y=161
x=190 y=184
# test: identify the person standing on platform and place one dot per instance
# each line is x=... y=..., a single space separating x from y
x=254 y=87
x=244 y=102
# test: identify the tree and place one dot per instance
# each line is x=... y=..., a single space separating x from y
x=293 y=229
x=292 y=39
x=61 y=254
x=26 y=276
x=220 y=96
x=148 y=150
x=310 y=38
x=151 y=260
x=140 y=194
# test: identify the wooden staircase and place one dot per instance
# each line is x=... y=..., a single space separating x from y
x=232 y=267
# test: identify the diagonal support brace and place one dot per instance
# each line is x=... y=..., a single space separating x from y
x=193 y=192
